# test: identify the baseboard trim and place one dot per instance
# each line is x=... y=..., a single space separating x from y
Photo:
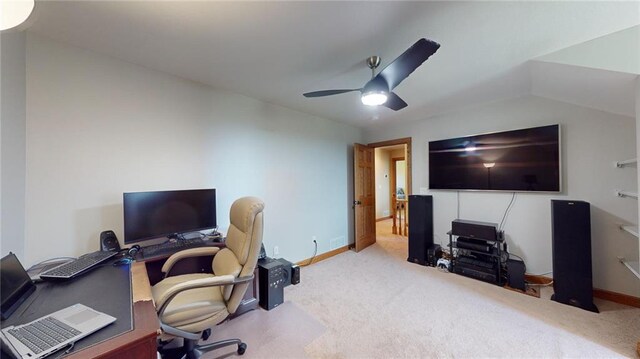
x=384 y=218
x=537 y=279
x=617 y=297
x=597 y=293
x=324 y=256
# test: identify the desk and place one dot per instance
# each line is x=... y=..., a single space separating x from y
x=140 y=342
x=122 y=292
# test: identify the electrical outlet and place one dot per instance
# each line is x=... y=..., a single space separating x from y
x=276 y=251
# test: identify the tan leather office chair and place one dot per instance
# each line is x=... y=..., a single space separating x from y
x=189 y=304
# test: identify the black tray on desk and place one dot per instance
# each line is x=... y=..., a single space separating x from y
x=106 y=289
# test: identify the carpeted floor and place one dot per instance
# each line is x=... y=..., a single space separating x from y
x=375 y=304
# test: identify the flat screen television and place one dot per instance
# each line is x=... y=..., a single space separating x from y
x=156 y=214
x=526 y=160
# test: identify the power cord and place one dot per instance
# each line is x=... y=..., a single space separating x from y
x=315 y=251
x=66 y=351
x=502 y=222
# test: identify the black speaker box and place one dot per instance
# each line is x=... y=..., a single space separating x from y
x=571 y=247
x=433 y=254
x=515 y=274
x=295 y=274
x=109 y=241
x=271 y=282
x=474 y=229
x=420 y=228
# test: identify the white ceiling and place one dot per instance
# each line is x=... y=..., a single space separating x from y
x=275 y=51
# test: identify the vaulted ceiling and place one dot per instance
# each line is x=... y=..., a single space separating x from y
x=275 y=51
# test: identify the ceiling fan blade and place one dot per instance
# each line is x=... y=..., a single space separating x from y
x=406 y=63
x=394 y=102
x=327 y=92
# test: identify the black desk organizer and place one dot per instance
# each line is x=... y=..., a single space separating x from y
x=488 y=264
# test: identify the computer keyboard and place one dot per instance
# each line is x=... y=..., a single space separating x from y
x=77 y=266
x=171 y=247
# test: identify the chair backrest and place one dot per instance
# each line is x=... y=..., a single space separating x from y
x=243 y=242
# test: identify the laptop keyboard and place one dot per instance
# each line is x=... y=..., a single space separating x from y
x=44 y=334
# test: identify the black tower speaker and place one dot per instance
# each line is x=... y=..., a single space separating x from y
x=571 y=246
x=420 y=228
x=109 y=241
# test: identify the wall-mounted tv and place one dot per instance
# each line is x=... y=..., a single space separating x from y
x=526 y=160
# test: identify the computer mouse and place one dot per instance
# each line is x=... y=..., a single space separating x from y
x=121 y=262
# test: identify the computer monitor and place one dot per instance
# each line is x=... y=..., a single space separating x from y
x=157 y=214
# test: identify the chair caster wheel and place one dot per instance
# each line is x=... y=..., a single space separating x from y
x=242 y=347
x=206 y=334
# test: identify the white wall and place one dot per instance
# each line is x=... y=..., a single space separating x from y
x=638 y=147
x=382 y=180
x=591 y=142
x=619 y=51
x=98 y=127
x=12 y=143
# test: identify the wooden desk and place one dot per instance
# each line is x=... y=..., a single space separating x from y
x=123 y=292
x=140 y=342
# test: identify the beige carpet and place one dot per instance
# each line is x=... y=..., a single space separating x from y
x=375 y=304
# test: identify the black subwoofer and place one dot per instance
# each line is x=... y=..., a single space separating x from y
x=420 y=227
x=571 y=246
x=271 y=282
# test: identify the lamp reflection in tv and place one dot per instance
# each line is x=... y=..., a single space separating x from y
x=488 y=166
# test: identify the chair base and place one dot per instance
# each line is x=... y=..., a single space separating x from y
x=191 y=349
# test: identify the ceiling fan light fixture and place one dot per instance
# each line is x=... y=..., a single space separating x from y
x=14 y=13
x=375 y=92
x=374 y=98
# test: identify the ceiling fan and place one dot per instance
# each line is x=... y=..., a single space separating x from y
x=379 y=90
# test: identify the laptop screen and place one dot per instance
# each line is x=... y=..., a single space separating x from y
x=15 y=284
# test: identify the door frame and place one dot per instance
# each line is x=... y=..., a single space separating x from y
x=407 y=156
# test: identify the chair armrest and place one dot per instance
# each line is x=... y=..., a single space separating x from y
x=187 y=253
x=213 y=281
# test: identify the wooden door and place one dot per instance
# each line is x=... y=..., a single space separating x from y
x=364 y=196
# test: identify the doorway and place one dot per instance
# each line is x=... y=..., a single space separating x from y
x=391 y=190
x=382 y=184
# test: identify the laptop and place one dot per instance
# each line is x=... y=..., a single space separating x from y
x=15 y=285
x=47 y=334
x=53 y=332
